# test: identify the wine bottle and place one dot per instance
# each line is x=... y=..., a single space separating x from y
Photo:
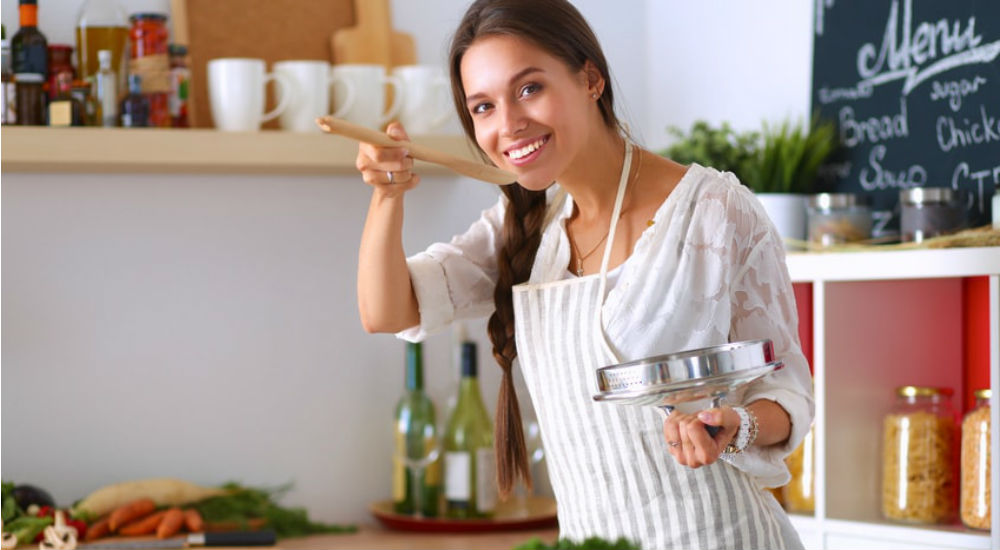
x=416 y=480
x=470 y=465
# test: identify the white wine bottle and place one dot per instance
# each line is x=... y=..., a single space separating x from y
x=470 y=465
x=416 y=479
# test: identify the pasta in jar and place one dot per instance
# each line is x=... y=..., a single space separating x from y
x=975 y=488
x=918 y=453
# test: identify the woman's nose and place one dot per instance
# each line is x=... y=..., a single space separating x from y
x=513 y=119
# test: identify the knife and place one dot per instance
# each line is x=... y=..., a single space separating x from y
x=466 y=167
x=233 y=538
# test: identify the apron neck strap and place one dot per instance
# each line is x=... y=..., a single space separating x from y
x=615 y=214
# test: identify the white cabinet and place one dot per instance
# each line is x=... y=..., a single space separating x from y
x=880 y=320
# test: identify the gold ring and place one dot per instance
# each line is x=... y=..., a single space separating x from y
x=674 y=443
x=391 y=177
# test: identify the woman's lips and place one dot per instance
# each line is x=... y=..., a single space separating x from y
x=526 y=151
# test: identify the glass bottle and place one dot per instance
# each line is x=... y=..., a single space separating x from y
x=135 y=106
x=100 y=25
x=918 y=455
x=28 y=46
x=180 y=78
x=30 y=99
x=105 y=90
x=798 y=495
x=64 y=109
x=416 y=478
x=8 y=91
x=91 y=109
x=148 y=58
x=470 y=464
x=975 y=507
x=60 y=63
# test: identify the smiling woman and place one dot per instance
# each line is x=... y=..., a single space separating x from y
x=689 y=260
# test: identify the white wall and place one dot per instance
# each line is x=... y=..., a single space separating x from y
x=205 y=327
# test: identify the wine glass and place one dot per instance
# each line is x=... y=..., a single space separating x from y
x=423 y=447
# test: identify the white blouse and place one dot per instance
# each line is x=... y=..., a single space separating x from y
x=711 y=269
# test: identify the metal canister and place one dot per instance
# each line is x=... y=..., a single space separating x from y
x=928 y=212
x=837 y=218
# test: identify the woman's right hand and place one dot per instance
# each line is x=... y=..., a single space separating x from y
x=388 y=169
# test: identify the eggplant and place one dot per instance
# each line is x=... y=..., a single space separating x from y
x=26 y=495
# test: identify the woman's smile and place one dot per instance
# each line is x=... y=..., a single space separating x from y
x=526 y=150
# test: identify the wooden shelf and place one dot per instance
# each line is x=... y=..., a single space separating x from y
x=149 y=150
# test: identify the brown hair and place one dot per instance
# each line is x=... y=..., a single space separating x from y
x=558 y=28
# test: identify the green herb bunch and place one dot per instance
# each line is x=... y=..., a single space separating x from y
x=719 y=147
x=17 y=521
x=244 y=504
x=790 y=156
x=592 y=543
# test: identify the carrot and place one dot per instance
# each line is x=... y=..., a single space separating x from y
x=193 y=521
x=98 y=529
x=172 y=522
x=130 y=512
x=143 y=526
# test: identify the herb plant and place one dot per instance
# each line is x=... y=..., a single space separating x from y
x=592 y=543
x=719 y=147
x=790 y=156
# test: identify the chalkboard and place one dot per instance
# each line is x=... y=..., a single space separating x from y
x=914 y=89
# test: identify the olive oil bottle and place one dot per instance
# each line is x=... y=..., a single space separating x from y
x=470 y=465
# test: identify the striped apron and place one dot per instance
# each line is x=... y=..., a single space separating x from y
x=609 y=466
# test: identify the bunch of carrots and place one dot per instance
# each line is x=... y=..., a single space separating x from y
x=140 y=517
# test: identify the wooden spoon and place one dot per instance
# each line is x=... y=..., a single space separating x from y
x=466 y=167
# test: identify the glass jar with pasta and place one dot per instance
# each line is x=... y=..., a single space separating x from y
x=918 y=457
x=799 y=495
x=975 y=488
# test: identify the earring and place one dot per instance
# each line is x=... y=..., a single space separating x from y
x=594 y=95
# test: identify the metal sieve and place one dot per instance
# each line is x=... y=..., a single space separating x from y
x=664 y=381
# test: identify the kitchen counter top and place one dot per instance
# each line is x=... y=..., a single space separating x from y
x=370 y=536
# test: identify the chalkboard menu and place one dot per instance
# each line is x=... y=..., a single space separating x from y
x=914 y=89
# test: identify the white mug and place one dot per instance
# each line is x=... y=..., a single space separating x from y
x=366 y=83
x=236 y=92
x=426 y=104
x=311 y=81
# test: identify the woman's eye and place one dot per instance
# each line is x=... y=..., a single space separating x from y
x=480 y=108
x=529 y=89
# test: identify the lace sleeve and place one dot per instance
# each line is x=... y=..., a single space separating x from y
x=456 y=280
x=763 y=306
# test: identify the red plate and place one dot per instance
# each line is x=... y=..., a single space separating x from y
x=530 y=513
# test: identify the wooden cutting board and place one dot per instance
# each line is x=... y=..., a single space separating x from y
x=371 y=39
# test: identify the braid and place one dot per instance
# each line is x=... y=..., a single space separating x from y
x=522 y=232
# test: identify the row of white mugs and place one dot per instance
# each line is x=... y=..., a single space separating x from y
x=307 y=89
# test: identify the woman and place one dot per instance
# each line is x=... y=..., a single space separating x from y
x=689 y=260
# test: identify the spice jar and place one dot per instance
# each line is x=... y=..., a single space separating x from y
x=975 y=488
x=837 y=218
x=928 y=212
x=799 y=495
x=60 y=63
x=148 y=58
x=918 y=454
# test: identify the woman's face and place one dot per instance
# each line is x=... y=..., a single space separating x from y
x=530 y=112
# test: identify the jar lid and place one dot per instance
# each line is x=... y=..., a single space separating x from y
x=837 y=200
x=926 y=195
x=922 y=391
x=29 y=77
x=985 y=393
x=60 y=47
x=148 y=15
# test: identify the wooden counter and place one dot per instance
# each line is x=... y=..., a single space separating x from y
x=374 y=536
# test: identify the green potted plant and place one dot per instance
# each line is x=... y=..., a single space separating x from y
x=718 y=147
x=784 y=169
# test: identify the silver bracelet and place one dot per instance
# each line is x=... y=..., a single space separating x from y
x=746 y=434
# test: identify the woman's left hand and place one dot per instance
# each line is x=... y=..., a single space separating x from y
x=690 y=443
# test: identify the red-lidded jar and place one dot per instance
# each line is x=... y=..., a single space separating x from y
x=60 y=62
x=149 y=58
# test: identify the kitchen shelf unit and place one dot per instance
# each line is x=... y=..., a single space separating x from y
x=879 y=320
x=173 y=151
